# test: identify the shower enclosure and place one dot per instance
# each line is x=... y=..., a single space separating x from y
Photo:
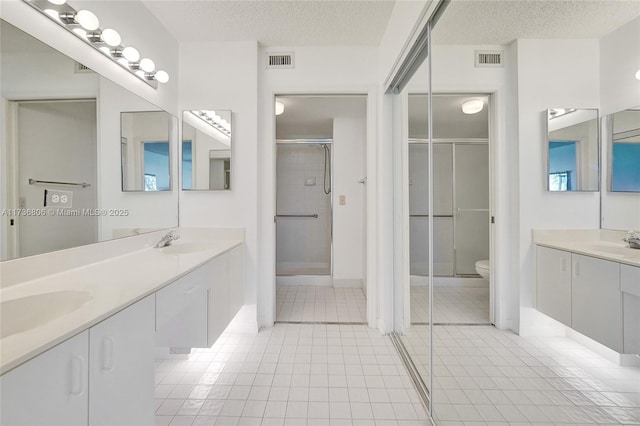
x=303 y=206
x=460 y=206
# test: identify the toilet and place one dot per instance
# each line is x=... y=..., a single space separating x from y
x=483 y=268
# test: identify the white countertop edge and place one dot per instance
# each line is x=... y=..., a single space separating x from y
x=21 y=356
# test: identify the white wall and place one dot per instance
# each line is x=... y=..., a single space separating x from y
x=335 y=70
x=225 y=76
x=619 y=61
x=551 y=74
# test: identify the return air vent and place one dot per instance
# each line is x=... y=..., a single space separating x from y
x=79 y=68
x=489 y=58
x=280 y=60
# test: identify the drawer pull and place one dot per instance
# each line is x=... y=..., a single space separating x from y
x=577 y=267
x=76 y=364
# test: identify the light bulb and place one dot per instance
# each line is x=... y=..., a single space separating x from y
x=473 y=106
x=53 y=14
x=87 y=20
x=162 y=76
x=111 y=37
x=131 y=54
x=105 y=50
x=279 y=107
x=58 y=2
x=638 y=75
x=147 y=65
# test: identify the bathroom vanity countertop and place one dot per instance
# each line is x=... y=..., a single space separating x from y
x=607 y=245
x=112 y=285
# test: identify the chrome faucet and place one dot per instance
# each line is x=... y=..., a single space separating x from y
x=167 y=239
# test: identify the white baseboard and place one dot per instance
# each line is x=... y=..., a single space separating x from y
x=347 y=283
x=307 y=280
x=245 y=321
x=623 y=360
x=422 y=281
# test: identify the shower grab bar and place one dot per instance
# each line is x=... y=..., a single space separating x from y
x=315 y=216
x=426 y=215
x=471 y=210
x=40 y=182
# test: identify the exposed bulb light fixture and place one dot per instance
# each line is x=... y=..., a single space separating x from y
x=111 y=37
x=85 y=25
x=472 y=106
x=147 y=65
x=279 y=108
x=559 y=112
x=214 y=120
x=638 y=75
x=87 y=20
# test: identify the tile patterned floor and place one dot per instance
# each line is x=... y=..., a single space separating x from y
x=320 y=304
x=485 y=376
x=457 y=305
x=291 y=374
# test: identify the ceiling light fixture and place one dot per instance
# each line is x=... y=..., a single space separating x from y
x=85 y=25
x=279 y=108
x=214 y=120
x=472 y=106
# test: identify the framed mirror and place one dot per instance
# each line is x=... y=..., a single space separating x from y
x=572 y=147
x=145 y=150
x=206 y=150
x=624 y=151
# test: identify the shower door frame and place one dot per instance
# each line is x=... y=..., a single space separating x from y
x=454 y=208
x=307 y=141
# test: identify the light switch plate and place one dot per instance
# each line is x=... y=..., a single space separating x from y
x=343 y=200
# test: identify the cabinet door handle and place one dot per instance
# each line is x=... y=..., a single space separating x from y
x=75 y=375
x=107 y=353
x=577 y=269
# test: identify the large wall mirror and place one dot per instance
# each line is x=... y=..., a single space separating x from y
x=145 y=150
x=60 y=154
x=206 y=150
x=572 y=149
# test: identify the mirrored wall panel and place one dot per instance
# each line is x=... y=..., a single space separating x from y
x=62 y=171
x=206 y=150
x=624 y=149
x=572 y=149
x=145 y=150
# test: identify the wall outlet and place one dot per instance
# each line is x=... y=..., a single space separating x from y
x=60 y=199
x=343 y=200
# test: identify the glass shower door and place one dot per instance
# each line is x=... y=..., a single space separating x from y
x=303 y=206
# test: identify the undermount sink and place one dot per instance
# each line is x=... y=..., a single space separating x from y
x=26 y=313
x=610 y=248
x=186 y=248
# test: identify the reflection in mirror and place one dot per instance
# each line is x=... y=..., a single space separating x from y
x=206 y=150
x=625 y=152
x=145 y=150
x=572 y=149
x=60 y=149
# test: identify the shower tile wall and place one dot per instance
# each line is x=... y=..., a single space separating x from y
x=303 y=244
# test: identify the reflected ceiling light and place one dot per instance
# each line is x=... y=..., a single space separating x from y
x=85 y=25
x=147 y=65
x=638 y=75
x=111 y=37
x=87 y=20
x=279 y=107
x=472 y=106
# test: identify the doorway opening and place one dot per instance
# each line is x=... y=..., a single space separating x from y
x=320 y=208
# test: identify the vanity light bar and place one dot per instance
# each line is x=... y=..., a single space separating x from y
x=85 y=25
x=214 y=120
x=559 y=112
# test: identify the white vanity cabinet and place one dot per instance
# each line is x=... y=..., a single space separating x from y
x=194 y=310
x=630 y=286
x=121 y=368
x=50 y=389
x=553 y=292
x=596 y=300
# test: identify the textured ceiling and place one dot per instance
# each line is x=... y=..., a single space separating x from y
x=275 y=23
x=502 y=21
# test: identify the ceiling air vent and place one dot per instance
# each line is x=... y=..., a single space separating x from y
x=489 y=58
x=79 y=68
x=280 y=60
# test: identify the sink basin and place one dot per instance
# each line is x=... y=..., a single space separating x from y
x=611 y=249
x=186 y=248
x=25 y=313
